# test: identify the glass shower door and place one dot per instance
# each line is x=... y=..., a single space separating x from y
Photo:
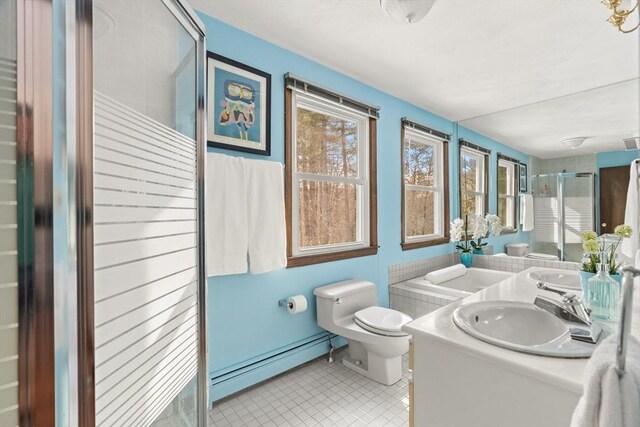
x=147 y=183
x=564 y=206
x=9 y=411
x=547 y=202
x=578 y=212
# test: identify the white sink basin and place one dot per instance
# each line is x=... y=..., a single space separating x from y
x=521 y=327
x=563 y=279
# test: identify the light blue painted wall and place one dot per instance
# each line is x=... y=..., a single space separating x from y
x=616 y=158
x=245 y=321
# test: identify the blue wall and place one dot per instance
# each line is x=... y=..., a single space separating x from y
x=245 y=322
x=616 y=158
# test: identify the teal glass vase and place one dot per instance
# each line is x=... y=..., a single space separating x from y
x=466 y=258
x=478 y=251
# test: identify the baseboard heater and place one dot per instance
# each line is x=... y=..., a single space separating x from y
x=260 y=369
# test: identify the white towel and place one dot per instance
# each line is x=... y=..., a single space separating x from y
x=526 y=212
x=226 y=215
x=607 y=400
x=630 y=246
x=446 y=274
x=265 y=208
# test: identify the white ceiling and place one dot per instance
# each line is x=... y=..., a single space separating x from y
x=526 y=73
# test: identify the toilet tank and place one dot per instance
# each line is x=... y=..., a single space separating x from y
x=517 y=249
x=343 y=299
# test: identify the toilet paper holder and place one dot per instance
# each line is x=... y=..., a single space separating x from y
x=285 y=303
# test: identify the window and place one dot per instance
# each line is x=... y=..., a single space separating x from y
x=507 y=181
x=473 y=179
x=425 y=207
x=330 y=181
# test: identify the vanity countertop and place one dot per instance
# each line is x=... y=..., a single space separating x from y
x=562 y=372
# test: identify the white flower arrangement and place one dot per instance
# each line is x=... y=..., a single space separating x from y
x=596 y=250
x=482 y=227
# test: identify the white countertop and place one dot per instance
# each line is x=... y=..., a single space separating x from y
x=438 y=325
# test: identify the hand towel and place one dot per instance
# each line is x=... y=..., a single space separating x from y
x=607 y=400
x=226 y=215
x=446 y=274
x=526 y=212
x=265 y=210
x=629 y=246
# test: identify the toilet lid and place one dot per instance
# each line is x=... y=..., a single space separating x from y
x=383 y=321
x=542 y=256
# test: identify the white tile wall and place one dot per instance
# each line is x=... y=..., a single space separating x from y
x=417 y=303
x=408 y=270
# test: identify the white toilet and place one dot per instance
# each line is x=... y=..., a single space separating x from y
x=522 y=250
x=376 y=341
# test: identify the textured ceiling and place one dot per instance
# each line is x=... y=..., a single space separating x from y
x=526 y=73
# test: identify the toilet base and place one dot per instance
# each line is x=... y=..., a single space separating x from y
x=385 y=370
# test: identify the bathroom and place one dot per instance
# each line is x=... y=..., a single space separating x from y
x=499 y=117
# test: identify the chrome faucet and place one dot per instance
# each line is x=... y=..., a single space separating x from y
x=570 y=309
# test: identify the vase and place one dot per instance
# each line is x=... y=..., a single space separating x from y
x=466 y=258
x=584 y=284
x=618 y=278
x=478 y=251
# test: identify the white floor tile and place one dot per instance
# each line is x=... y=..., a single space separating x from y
x=317 y=394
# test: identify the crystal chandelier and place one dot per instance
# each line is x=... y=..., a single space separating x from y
x=619 y=15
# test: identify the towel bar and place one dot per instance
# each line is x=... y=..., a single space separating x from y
x=628 y=275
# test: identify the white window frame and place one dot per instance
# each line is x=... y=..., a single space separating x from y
x=480 y=179
x=417 y=137
x=322 y=106
x=511 y=193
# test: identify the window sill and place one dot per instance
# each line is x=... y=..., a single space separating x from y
x=299 y=261
x=424 y=244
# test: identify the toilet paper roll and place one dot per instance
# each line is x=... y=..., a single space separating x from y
x=296 y=304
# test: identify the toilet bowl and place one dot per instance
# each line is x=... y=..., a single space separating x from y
x=376 y=340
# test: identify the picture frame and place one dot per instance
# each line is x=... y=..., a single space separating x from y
x=238 y=106
x=522 y=178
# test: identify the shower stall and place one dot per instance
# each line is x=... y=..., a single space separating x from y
x=564 y=207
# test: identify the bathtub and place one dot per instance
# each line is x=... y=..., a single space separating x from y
x=475 y=280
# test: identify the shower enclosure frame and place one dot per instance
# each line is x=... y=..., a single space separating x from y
x=560 y=185
x=84 y=99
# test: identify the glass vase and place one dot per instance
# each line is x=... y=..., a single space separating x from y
x=604 y=297
x=584 y=284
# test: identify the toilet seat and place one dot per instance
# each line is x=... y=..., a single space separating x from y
x=382 y=321
x=536 y=255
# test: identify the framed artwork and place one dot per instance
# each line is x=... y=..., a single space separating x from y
x=522 y=178
x=238 y=105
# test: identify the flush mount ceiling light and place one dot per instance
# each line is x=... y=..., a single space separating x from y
x=406 y=11
x=574 y=142
x=619 y=15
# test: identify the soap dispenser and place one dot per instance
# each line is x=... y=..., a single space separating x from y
x=603 y=294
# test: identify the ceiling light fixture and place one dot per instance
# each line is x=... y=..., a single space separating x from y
x=619 y=15
x=407 y=11
x=574 y=142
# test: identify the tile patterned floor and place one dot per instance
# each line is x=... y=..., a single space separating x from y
x=317 y=394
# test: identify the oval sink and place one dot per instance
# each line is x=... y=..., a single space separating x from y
x=521 y=327
x=564 y=279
